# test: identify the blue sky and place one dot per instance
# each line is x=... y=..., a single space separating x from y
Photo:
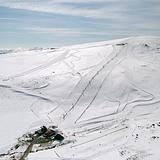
x=49 y=23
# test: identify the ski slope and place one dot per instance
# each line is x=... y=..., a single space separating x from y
x=104 y=96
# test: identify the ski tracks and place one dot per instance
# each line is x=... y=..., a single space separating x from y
x=99 y=75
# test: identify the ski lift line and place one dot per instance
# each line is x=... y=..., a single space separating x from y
x=88 y=84
x=86 y=123
x=86 y=74
x=99 y=137
x=97 y=128
x=86 y=88
x=82 y=77
x=88 y=106
x=97 y=92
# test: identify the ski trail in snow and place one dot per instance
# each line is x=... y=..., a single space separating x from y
x=102 y=72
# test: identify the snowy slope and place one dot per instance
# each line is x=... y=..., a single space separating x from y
x=104 y=96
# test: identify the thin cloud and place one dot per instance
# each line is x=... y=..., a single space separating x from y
x=64 y=31
x=55 y=31
x=60 y=7
x=96 y=9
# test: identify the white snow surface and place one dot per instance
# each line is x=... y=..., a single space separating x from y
x=104 y=96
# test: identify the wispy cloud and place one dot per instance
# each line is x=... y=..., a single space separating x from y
x=55 y=31
x=64 y=31
x=63 y=7
x=99 y=9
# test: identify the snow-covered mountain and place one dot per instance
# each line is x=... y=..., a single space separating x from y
x=104 y=97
